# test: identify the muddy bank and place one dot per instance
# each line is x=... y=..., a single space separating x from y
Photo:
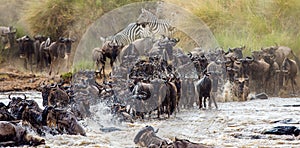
x=15 y=80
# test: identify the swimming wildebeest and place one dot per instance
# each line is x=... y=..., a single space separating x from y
x=240 y=88
x=15 y=135
x=64 y=121
x=147 y=137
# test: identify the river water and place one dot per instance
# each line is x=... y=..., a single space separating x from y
x=235 y=124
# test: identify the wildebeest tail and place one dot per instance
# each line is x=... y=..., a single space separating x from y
x=296 y=59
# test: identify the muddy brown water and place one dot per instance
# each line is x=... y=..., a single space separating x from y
x=235 y=124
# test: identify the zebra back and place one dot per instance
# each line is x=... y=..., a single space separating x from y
x=157 y=26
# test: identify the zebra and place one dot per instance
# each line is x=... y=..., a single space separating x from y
x=157 y=26
x=129 y=34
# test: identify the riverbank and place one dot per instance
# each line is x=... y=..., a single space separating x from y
x=12 y=79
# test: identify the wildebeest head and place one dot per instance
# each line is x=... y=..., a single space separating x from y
x=140 y=134
x=61 y=47
x=235 y=52
x=13 y=104
x=270 y=50
x=241 y=82
x=286 y=65
x=68 y=43
x=112 y=50
x=64 y=120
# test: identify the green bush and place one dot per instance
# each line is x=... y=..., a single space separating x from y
x=252 y=23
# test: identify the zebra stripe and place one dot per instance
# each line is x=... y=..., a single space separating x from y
x=132 y=32
x=157 y=26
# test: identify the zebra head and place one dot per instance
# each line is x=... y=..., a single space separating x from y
x=146 y=16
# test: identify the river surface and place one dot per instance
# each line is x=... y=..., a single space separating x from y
x=235 y=124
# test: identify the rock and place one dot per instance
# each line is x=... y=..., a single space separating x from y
x=259 y=96
x=283 y=130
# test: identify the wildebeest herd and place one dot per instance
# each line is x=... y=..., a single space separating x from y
x=150 y=75
x=40 y=50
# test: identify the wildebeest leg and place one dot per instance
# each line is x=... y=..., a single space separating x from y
x=50 y=71
x=30 y=57
x=25 y=63
x=293 y=81
x=200 y=101
x=214 y=99
x=280 y=80
x=204 y=102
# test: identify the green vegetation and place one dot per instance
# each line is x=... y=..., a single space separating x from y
x=252 y=23
x=82 y=65
x=66 y=75
x=57 y=18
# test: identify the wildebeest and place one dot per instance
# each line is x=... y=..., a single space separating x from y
x=289 y=68
x=235 y=52
x=240 y=89
x=44 y=54
x=215 y=71
x=184 y=143
x=58 y=97
x=111 y=51
x=38 y=39
x=172 y=99
x=280 y=53
x=5 y=115
x=58 y=50
x=64 y=121
x=33 y=116
x=98 y=58
x=14 y=105
x=15 y=135
x=7 y=36
x=164 y=48
x=200 y=63
x=203 y=88
x=53 y=95
x=26 y=49
x=146 y=137
x=258 y=73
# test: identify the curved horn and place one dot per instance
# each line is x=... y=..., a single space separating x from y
x=9 y=97
x=276 y=44
x=156 y=131
x=110 y=44
x=25 y=97
x=53 y=85
x=249 y=59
